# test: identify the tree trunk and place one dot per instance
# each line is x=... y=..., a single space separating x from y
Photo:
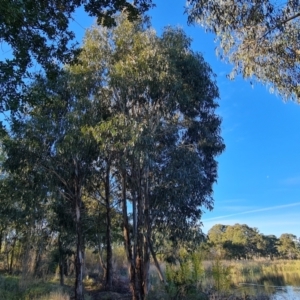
x=146 y=236
x=101 y=262
x=146 y=267
x=140 y=239
x=12 y=256
x=134 y=230
x=132 y=273
x=1 y=239
x=61 y=272
x=156 y=263
x=61 y=261
x=79 y=252
x=109 y=266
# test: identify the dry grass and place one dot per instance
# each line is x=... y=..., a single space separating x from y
x=57 y=295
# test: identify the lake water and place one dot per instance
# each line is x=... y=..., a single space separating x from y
x=275 y=292
x=280 y=280
x=287 y=293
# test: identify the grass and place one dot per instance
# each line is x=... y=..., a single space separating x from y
x=16 y=288
x=262 y=274
x=281 y=272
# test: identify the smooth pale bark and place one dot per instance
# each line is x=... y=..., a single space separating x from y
x=156 y=263
x=132 y=272
x=12 y=256
x=140 y=241
x=134 y=216
x=101 y=262
x=147 y=226
x=1 y=239
x=79 y=252
x=109 y=265
x=146 y=267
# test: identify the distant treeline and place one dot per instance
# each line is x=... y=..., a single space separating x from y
x=243 y=242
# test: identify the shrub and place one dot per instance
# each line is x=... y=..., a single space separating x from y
x=184 y=277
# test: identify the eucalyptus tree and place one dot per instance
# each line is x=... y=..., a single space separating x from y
x=23 y=199
x=94 y=61
x=271 y=242
x=49 y=138
x=163 y=135
x=12 y=220
x=249 y=239
x=173 y=169
x=288 y=246
x=23 y=212
x=236 y=241
x=260 y=38
x=216 y=239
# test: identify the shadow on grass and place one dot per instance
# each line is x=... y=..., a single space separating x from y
x=14 y=288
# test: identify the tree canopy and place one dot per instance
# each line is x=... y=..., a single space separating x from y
x=38 y=32
x=242 y=241
x=260 y=37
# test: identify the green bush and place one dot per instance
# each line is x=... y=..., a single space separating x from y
x=184 y=277
x=12 y=288
x=9 y=288
x=221 y=276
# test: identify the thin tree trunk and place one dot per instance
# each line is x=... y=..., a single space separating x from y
x=127 y=241
x=101 y=262
x=61 y=261
x=139 y=268
x=140 y=240
x=134 y=215
x=12 y=256
x=156 y=263
x=79 y=252
x=146 y=262
x=61 y=272
x=146 y=267
x=135 y=233
x=109 y=265
x=38 y=257
x=1 y=239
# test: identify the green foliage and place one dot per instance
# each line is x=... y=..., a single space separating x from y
x=37 y=32
x=11 y=288
x=260 y=38
x=184 y=278
x=287 y=246
x=221 y=276
x=240 y=241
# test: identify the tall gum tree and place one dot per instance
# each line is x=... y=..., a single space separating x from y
x=164 y=133
x=50 y=139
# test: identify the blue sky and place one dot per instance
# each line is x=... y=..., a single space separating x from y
x=259 y=172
